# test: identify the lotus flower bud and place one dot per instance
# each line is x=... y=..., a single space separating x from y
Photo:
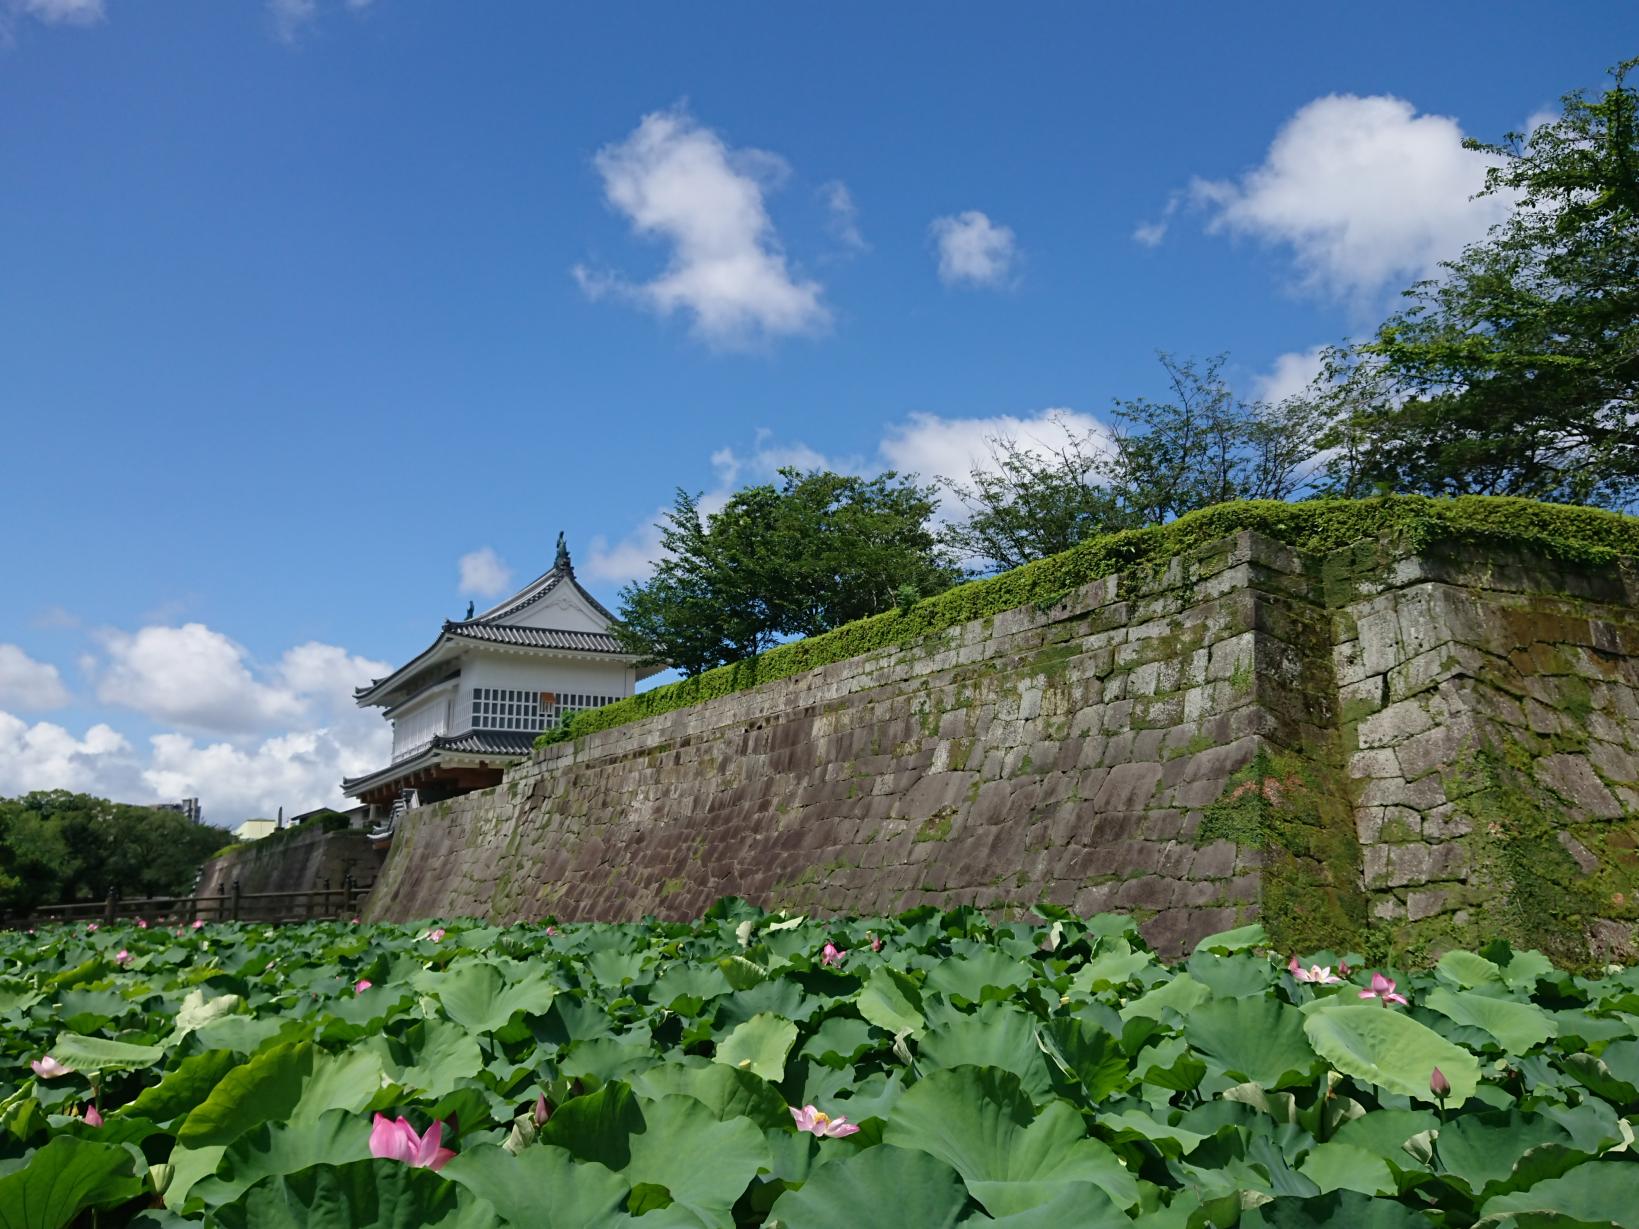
x=1438 y=1084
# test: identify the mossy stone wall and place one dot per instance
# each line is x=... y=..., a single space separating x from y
x=1396 y=746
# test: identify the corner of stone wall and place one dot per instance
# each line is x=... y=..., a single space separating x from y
x=1489 y=709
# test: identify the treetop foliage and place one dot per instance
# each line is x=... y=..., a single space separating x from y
x=57 y=846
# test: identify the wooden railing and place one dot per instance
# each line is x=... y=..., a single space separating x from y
x=226 y=905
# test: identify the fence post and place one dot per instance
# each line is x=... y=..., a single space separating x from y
x=236 y=895
x=109 y=905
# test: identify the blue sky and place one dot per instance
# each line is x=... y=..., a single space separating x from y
x=302 y=303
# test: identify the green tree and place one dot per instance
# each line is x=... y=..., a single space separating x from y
x=798 y=558
x=1200 y=446
x=60 y=846
x=1515 y=372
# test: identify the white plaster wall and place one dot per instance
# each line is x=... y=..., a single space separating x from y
x=417 y=722
x=564 y=610
x=481 y=668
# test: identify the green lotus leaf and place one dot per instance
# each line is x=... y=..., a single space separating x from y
x=1256 y=1039
x=759 y=1045
x=1090 y=1054
x=839 y=1040
x=997 y=1035
x=674 y=1142
x=969 y=976
x=1467 y=970
x=285 y=1148
x=476 y=996
x=182 y=1088
x=1182 y=994
x=1343 y=1167
x=100 y=1054
x=1136 y=1124
x=1237 y=940
x=64 y=1178
x=196 y=1012
x=1114 y=967
x=266 y=1088
x=1391 y=1050
x=1518 y=1027
x=543 y=1186
x=728 y=1092
x=1338 y=1210
x=891 y=1001
x=878 y=1188
x=979 y=1121
x=1481 y=1150
x=1599 y=1193
x=352 y=1080
x=362 y=1195
x=432 y=1055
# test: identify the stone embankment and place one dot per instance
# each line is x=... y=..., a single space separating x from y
x=1389 y=749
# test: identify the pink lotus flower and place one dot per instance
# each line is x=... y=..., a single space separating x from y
x=1438 y=1084
x=551 y=931
x=92 y=1118
x=122 y=957
x=48 y=1068
x=436 y=935
x=831 y=954
x=142 y=923
x=1321 y=974
x=363 y=984
x=91 y=928
x=198 y=923
x=543 y=1111
x=817 y=1122
x=876 y=943
x=1343 y=969
x=354 y=922
x=1383 y=988
x=397 y=1141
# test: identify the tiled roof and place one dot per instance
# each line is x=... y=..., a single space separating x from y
x=488 y=742
x=473 y=742
x=536 y=637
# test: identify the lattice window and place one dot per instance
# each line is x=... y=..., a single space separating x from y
x=503 y=708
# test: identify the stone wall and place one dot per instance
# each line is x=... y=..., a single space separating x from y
x=1377 y=748
x=297 y=862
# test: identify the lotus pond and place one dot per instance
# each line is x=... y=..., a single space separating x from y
x=928 y=1070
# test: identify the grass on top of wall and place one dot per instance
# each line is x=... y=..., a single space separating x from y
x=1570 y=534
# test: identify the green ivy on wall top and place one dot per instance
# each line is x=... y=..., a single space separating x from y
x=1575 y=535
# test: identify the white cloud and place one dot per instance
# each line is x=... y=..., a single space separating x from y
x=297 y=771
x=1291 y=374
x=61 y=12
x=677 y=181
x=936 y=447
x=973 y=249
x=28 y=684
x=290 y=16
x=484 y=573
x=198 y=678
x=1150 y=234
x=280 y=736
x=844 y=216
x=1364 y=191
x=193 y=676
x=46 y=756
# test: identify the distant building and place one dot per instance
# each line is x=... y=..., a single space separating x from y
x=474 y=702
x=188 y=808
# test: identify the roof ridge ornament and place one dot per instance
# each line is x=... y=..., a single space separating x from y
x=561 y=563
